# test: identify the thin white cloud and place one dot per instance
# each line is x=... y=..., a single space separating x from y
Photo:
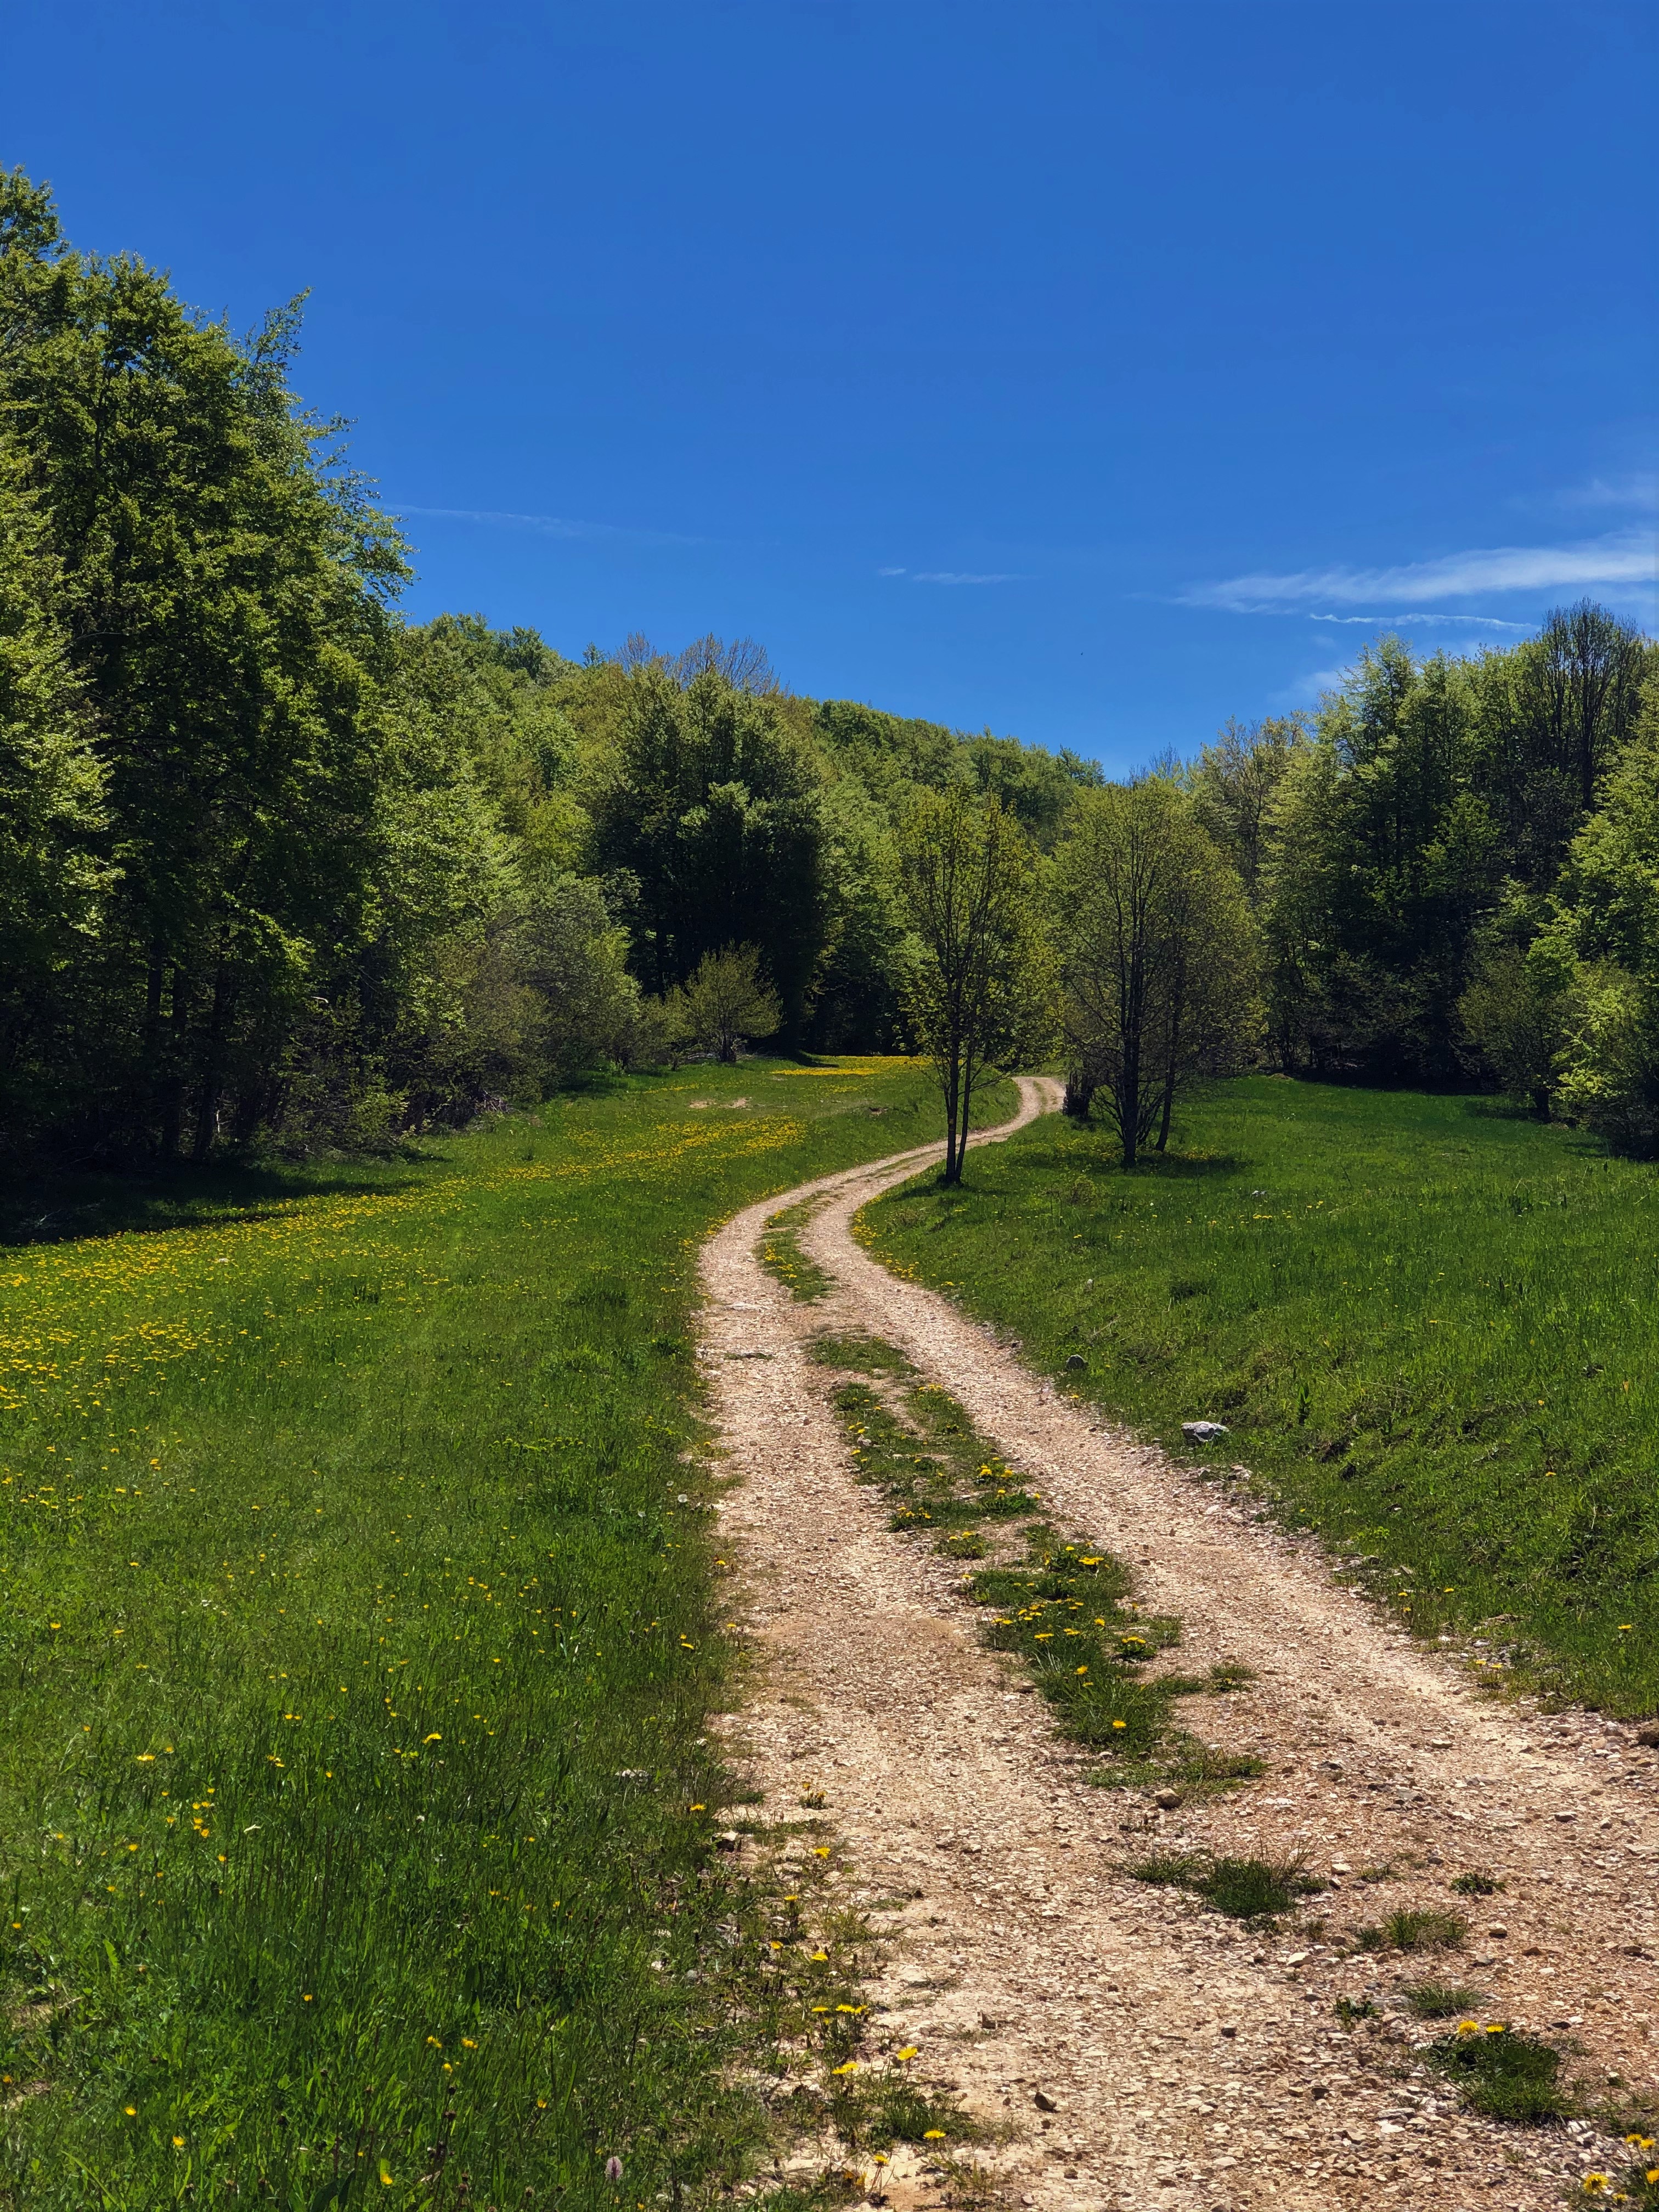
x=1307 y=691
x=1638 y=489
x=890 y=572
x=554 y=526
x=1623 y=557
x=1478 y=621
x=954 y=576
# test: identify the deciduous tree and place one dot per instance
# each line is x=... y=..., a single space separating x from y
x=981 y=993
x=728 y=1001
x=1158 y=955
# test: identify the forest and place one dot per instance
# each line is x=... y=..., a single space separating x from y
x=279 y=868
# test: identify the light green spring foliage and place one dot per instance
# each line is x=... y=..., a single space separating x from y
x=726 y=1003
x=278 y=865
x=980 y=991
x=362 y=1628
x=1425 y=1320
x=1427 y=797
x=1158 y=955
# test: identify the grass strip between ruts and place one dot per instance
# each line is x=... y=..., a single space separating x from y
x=1065 y=1608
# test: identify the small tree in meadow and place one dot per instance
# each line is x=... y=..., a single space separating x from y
x=728 y=1001
x=980 y=996
x=1158 y=956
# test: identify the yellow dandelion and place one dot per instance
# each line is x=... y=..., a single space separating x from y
x=934 y=2135
x=909 y=2051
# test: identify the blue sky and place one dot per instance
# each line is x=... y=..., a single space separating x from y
x=1090 y=372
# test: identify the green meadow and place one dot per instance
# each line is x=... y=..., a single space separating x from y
x=362 y=1626
x=1430 y=1327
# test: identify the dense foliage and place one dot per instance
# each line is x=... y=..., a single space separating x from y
x=276 y=864
x=1452 y=863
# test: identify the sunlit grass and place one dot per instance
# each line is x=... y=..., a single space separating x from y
x=356 y=1796
x=1428 y=1326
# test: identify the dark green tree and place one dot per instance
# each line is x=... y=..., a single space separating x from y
x=714 y=808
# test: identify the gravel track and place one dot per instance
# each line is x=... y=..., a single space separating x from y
x=1191 y=2062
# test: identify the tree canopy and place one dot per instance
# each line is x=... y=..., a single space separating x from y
x=279 y=865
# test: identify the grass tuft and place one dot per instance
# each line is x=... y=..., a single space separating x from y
x=782 y=1257
x=1503 y=2073
x=1243 y=1888
x=1441 y=2000
x=1410 y=1930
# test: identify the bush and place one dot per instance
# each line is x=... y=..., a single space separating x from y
x=727 y=1002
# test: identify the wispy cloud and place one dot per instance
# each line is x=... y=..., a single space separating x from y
x=1307 y=689
x=1478 y=621
x=952 y=576
x=554 y=526
x=1638 y=489
x=1623 y=557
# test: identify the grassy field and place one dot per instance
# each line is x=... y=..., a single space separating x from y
x=1430 y=1327
x=355 y=1798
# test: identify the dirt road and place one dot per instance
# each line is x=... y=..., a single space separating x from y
x=1189 y=2060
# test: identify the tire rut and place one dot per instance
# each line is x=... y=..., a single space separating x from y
x=1189 y=2060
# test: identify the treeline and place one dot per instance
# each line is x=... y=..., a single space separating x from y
x=275 y=865
x=279 y=867
x=1454 y=866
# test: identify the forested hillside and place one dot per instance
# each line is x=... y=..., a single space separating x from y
x=274 y=863
x=278 y=865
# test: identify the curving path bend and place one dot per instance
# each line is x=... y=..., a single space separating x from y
x=1181 y=2059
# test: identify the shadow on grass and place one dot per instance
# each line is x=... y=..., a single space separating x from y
x=59 y=1208
x=1150 y=1167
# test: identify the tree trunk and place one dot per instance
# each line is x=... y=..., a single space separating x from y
x=207 y=1105
x=952 y=1108
x=1168 y=1104
x=171 y=1044
x=1129 y=1118
x=1080 y=1094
